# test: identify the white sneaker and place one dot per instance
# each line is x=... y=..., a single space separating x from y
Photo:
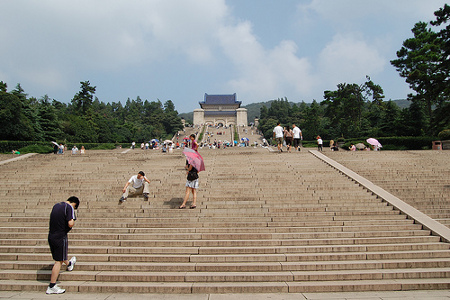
x=72 y=262
x=55 y=290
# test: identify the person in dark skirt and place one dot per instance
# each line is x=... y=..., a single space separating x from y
x=191 y=186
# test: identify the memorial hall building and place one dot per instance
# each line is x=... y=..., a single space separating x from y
x=220 y=110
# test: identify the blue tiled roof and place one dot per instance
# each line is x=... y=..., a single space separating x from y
x=220 y=99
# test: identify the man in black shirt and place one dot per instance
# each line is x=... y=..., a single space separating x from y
x=62 y=219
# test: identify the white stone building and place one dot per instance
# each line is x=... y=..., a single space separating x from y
x=219 y=110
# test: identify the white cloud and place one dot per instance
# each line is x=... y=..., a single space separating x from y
x=248 y=57
x=107 y=34
x=50 y=46
x=293 y=73
x=349 y=59
x=345 y=12
x=75 y=38
x=48 y=77
x=264 y=73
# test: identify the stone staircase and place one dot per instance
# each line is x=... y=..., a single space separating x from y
x=264 y=223
x=250 y=133
x=420 y=178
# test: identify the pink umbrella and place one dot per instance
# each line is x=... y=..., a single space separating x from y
x=194 y=159
x=374 y=142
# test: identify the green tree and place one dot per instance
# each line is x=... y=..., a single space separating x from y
x=49 y=120
x=280 y=110
x=171 y=121
x=390 y=119
x=423 y=62
x=82 y=101
x=3 y=86
x=80 y=129
x=30 y=123
x=344 y=108
x=442 y=17
x=266 y=126
x=312 y=125
x=443 y=108
x=352 y=109
x=263 y=112
x=10 y=117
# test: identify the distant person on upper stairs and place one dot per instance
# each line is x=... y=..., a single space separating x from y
x=194 y=144
x=319 y=143
x=297 y=135
x=288 y=138
x=278 y=133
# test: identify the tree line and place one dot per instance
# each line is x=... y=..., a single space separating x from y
x=85 y=119
x=354 y=110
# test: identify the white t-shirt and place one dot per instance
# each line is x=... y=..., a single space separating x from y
x=278 y=131
x=136 y=183
x=319 y=141
x=296 y=132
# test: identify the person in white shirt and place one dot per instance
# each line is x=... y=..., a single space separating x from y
x=137 y=185
x=278 y=133
x=319 y=143
x=297 y=136
x=74 y=149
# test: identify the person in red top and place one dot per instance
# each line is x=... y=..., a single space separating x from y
x=194 y=144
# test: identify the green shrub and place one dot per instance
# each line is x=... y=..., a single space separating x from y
x=40 y=147
x=236 y=133
x=106 y=146
x=96 y=146
x=444 y=135
x=407 y=142
x=397 y=143
x=36 y=149
x=309 y=144
x=394 y=147
x=200 y=136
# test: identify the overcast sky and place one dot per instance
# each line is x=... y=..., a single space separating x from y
x=181 y=49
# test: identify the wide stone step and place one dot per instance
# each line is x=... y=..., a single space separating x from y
x=282 y=276
x=214 y=222
x=230 y=243
x=232 y=250
x=224 y=258
x=222 y=236
x=256 y=230
x=233 y=287
x=255 y=266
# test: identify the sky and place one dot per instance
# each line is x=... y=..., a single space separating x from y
x=181 y=49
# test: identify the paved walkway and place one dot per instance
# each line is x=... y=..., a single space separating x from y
x=2 y=162
x=417 y=295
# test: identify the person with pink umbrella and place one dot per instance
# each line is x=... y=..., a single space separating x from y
x=194 y=165
x=375 y=143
